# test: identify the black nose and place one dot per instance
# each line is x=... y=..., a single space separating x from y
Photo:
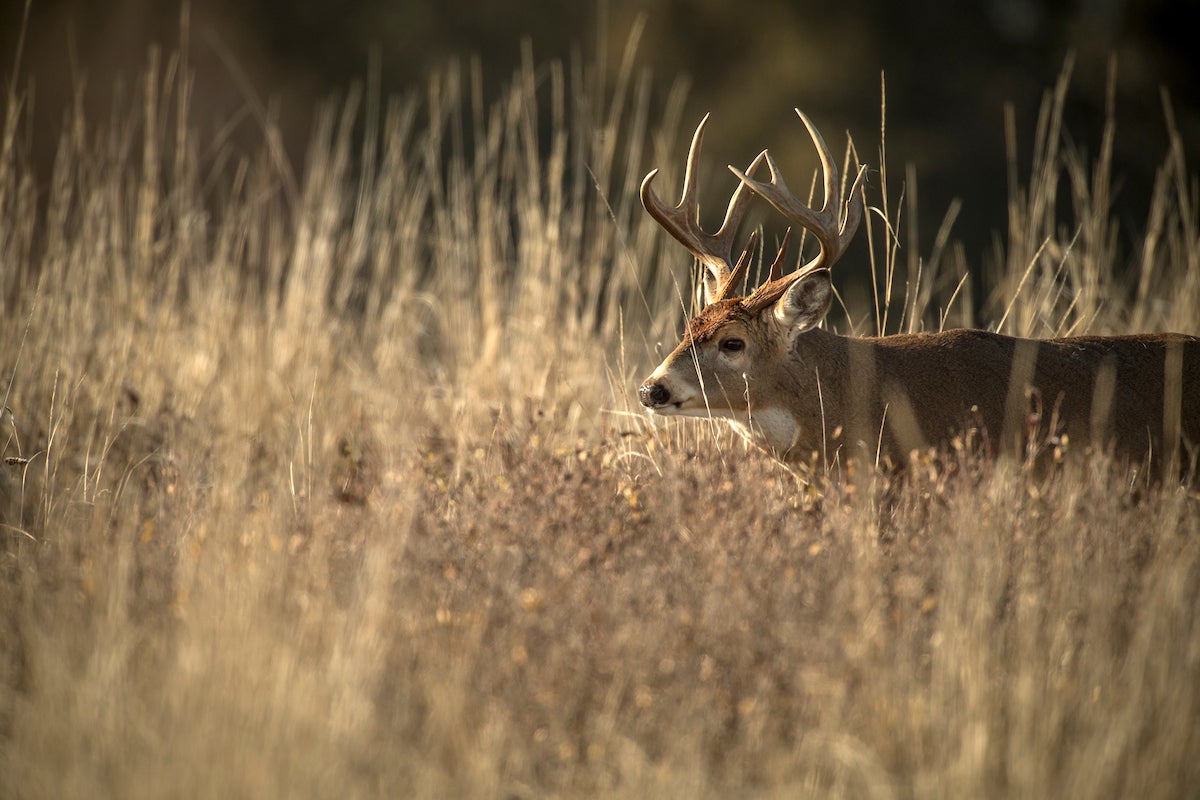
x=653 y=395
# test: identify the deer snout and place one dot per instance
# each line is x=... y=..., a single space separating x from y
x=653 y=394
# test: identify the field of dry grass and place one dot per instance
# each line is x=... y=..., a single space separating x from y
x=329 y=483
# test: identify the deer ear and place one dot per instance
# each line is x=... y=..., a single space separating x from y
x=805 y=302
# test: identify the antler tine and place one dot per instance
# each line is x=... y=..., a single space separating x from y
x=714 y=251
x=848 y=225
x=777 y=265
x=833 y=232
x=829 y=170
x=743 y=264
x=739 y=270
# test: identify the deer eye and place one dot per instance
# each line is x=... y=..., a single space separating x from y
x=732 y=345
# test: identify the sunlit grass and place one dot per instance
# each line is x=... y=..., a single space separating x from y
x=331 y=482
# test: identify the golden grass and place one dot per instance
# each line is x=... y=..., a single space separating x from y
x=329 y=484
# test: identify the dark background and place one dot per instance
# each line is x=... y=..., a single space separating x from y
x=950 y=68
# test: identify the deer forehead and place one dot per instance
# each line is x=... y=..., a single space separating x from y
x=723 y=318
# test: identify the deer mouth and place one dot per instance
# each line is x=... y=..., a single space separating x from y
x=669 y=409
x=676 y=406
x=658 y=398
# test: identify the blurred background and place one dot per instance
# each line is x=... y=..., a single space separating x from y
x=950 y=68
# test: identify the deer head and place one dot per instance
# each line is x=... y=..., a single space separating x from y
x=737 y=356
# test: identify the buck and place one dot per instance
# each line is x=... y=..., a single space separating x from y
x=764 y=362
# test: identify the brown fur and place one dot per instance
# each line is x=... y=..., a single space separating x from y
x=887 y=396
x=1015 y=392
x=705 y=325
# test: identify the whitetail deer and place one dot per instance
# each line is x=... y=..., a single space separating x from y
x=763 y=362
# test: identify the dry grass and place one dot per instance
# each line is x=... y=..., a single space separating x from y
x=328 y=485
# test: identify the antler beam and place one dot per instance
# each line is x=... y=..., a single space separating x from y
x=713 y=250
x=833 y=230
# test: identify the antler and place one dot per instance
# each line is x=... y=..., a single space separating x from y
x=713 y=250
x=832 y=231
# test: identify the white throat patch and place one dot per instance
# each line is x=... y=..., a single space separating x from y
x=775 y=426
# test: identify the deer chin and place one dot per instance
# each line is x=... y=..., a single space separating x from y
x=775 y=428
x=691 y=407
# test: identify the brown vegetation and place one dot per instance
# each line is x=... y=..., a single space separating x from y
x=330 y=484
